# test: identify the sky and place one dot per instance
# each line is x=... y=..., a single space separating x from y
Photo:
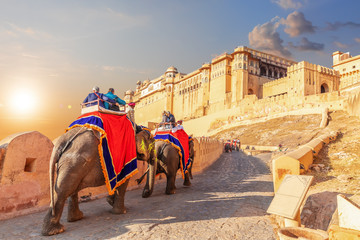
x=53 y=52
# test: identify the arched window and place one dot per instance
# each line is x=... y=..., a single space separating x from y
x=250 y=91
x=275 y=74
x=324 y=88
x=263 y=71
x=270 y=73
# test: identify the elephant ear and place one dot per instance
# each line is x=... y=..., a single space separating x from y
x=96 y=134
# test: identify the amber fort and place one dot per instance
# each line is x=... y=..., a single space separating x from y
x=244 y=84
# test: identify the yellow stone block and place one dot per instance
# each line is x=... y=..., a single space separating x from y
x=338 y=233
x=304 y=155
x=284 y=165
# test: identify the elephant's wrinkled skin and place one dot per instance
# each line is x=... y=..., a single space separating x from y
x=169 y=163
x=79 y=167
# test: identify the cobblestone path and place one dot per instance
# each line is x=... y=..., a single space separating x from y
x=227 y=201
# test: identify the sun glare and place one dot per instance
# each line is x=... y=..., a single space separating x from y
x=23 y=102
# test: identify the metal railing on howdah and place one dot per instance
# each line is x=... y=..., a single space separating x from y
x=96 y=104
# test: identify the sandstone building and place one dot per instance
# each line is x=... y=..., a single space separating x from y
x=240 y=79
x=348 y=68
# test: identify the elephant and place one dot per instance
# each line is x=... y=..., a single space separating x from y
x=169 y=162
x=78 y=167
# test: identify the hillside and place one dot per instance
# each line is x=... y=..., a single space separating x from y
x=341 y=171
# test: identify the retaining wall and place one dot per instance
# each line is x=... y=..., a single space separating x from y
x=298 y=161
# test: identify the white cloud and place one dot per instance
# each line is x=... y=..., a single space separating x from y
x=341 y=45
x=126 y=69
x=265 y=37
x=289 y=4
x=29 y=56
x=296 y=24
x=16 y=30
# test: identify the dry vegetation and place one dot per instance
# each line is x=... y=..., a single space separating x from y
x=341 y=157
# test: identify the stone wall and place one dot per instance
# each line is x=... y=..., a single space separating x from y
x=24 y=175
x=353 y=103
x=207 y=151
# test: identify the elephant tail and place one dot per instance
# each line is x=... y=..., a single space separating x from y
x=55 y=156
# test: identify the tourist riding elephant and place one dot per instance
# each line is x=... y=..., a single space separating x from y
x=169 y=162
x=78 y=167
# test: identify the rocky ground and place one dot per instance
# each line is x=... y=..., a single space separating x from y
x=290 y=131
x=338 y=163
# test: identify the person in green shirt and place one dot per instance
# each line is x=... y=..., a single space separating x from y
x=117 y=100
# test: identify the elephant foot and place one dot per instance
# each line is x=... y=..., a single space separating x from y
x=72 y=217
x=118 y=210
x=110 y=199
x=146 y=193
x=187 y=183
x=52 y=229
x=169 y=192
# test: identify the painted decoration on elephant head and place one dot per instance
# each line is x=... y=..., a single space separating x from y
x=117 y=148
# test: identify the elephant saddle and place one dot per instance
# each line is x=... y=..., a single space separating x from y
x=180 y=140
x=117 y=148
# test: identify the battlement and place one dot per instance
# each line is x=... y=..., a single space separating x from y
x=310 y=66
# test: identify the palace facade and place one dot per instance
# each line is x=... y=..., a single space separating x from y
x=228 y=79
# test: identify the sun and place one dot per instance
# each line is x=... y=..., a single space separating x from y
x=23 y=101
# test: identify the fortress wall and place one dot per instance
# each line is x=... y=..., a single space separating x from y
x=251 y=109
x=150 y=109
x=207 y=151
x=200 y=126
x=275 y=87
x=353 y=104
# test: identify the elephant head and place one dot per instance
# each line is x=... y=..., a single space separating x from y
x=145 y=149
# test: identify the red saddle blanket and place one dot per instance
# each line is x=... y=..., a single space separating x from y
x=180 y=140
x=117 y=148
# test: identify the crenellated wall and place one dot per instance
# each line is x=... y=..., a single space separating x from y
x=304 y=79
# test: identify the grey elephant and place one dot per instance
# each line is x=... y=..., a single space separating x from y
x=169 y=162
x=79 y=167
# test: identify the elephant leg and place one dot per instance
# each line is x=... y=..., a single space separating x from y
x=170 y=185
x=51 y=224
x=110 y=199
x=74 y=212
x=187 y=180
x=119 y=197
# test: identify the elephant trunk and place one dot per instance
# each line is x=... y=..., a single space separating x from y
x=149 y=186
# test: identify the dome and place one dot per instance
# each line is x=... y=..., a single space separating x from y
x=172 y=69
x=129 y=92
